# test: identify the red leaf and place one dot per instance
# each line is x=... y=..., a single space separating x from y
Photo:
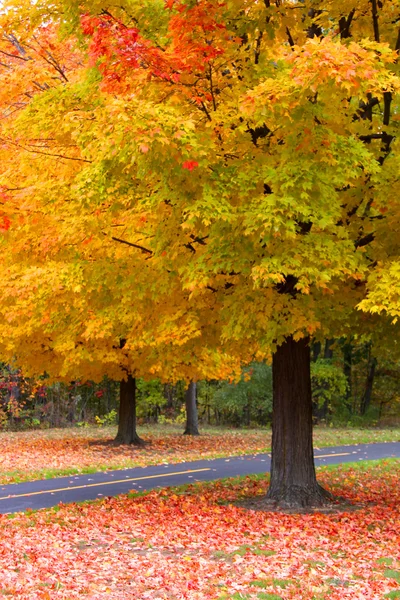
x=190 y=165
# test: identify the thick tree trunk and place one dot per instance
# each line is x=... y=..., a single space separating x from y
x=293 y=480
x=127 y=433
x=192 y=421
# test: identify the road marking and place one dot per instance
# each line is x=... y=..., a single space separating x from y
x=88 y=485
x=329 y=455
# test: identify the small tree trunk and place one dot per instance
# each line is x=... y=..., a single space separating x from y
x=192 y=421
x=169 y=396
x=293 y=480
x=127 y=433
x=347 y=365
x=366 y=399
x=316 y=351
x=328 y=351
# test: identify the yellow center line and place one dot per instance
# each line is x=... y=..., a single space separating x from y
x=88 y=485
x=328 y=455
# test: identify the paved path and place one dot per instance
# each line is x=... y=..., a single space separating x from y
x=76 y=488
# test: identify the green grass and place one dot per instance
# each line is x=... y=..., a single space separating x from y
x=261 y=595
x=324 y=436
x=385 y=464
x=392 y=574
x=264 y=583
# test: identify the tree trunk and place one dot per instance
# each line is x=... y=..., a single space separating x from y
x=347 y=365
x=293 y=480
x=328 y=351
x=192 y=422
x=169 y=396
x=316 y=351
x=127 y=413
x=366 y=399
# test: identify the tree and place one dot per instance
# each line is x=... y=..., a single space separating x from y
x=74 y=306
x=259 y=142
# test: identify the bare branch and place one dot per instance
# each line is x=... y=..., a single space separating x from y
x=290 y=39
x=142 y=248
x=35 y=151
x=14 y=56
x=13 y=40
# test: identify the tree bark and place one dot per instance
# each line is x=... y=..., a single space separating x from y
x=366 y=399
x=328 y=351
x=127 y=433
x=293 y=481
x=316 y=350
x=192 y=421
x=347 y=370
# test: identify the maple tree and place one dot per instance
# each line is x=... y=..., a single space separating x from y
x=255 y=144
x=72 y=305
x=62 y=321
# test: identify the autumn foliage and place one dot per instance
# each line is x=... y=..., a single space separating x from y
x=169 y=544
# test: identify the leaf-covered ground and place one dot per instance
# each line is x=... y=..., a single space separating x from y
x=175 y=544
x=47 y=453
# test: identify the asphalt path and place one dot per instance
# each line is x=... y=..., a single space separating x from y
x=77 y=488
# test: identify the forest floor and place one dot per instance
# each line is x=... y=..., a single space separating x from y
x=46 y=453
x=195 y=543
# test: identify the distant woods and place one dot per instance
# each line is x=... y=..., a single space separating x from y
x=350 y=386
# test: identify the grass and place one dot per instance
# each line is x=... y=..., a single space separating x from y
x=45 y=454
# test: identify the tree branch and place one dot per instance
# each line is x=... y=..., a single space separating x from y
x=14 y=56
x=314 y=30
x=259 y=133
x=287 y=286
x=34 y=151
x=258 y=47
x=344 y=25
x=212 y=89
x=142 y=248
x=13 y=40
x=364 y=241
x=290 y=39
x=387 y=101
x=375 y=20
x=365 y=110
